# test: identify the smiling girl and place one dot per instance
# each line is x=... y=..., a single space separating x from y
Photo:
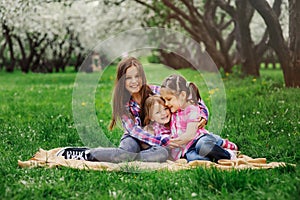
x=192 y=143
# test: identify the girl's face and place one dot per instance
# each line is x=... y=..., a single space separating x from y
x=160 y=113
x=133 y=80
x=173 y=102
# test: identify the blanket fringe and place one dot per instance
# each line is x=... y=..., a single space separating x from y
x=49 y=159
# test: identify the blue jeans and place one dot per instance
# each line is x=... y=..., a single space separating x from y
x=129 y=150
x=207 y=147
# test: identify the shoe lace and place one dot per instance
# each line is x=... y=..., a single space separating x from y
x=78 y=155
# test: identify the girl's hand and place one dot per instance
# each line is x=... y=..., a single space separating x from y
x=173 y=145
x=178 y=142
x=202 y=123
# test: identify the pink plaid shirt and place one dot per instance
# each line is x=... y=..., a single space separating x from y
x=159 y=129
x=179 y=122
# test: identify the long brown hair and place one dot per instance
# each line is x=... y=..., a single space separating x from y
x=121 y=96
x=177 y=84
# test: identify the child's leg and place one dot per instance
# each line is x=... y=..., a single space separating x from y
x=153 y=154
x=130 y=144
x=225 y=143
x=193 y=153
x=207 y=146
x=229 y=145
x=219 y=140
x=114 y=155
x=129 y=150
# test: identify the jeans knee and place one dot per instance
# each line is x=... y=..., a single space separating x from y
x=204 y=142
x=190 y=157
x=129 y=144
x=154 y=154
x=162 y=153
x=204 y=147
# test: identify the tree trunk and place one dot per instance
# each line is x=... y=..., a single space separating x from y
x=293 y=73
x=23 y=62
x=246 y=46
x=2 y=57
x=11 y=66
x=290 y=70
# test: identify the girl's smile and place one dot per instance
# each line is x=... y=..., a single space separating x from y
x=133 y=81
x=173 y=102
x=160 y=114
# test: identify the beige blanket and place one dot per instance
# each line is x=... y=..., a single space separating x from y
x=45 y=158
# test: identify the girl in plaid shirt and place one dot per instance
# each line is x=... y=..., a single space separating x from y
x=157 y=117
x=189 y=141
x=130 y=93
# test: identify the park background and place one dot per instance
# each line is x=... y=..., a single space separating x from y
x=255 y=45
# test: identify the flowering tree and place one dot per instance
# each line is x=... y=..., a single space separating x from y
x=44 y=36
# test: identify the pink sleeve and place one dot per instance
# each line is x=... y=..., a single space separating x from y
x=192 y=113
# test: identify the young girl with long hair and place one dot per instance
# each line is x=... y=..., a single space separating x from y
x=130 y=92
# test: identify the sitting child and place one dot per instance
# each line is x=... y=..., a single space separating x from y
x=157 y=122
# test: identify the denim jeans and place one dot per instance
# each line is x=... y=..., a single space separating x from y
x=129 y=150
x=207 y=147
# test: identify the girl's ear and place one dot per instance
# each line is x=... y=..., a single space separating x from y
x=182 y=95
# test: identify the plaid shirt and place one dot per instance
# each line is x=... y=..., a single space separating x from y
x=158 y=129
x=179 y=122
x=134 y=128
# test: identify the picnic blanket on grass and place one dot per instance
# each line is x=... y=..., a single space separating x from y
x=49 y=159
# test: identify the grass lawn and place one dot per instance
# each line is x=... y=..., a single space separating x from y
x=262 y=117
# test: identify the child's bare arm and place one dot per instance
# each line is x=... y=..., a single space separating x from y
x=187 y=136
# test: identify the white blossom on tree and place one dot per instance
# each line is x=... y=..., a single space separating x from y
x=64 y=25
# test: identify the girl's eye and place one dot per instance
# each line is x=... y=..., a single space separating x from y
x=127 y=78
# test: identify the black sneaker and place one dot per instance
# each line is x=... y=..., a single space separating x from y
x=77 y=153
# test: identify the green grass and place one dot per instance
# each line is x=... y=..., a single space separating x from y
x=36 y=112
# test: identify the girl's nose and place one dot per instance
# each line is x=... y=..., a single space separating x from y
x=134 y=80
